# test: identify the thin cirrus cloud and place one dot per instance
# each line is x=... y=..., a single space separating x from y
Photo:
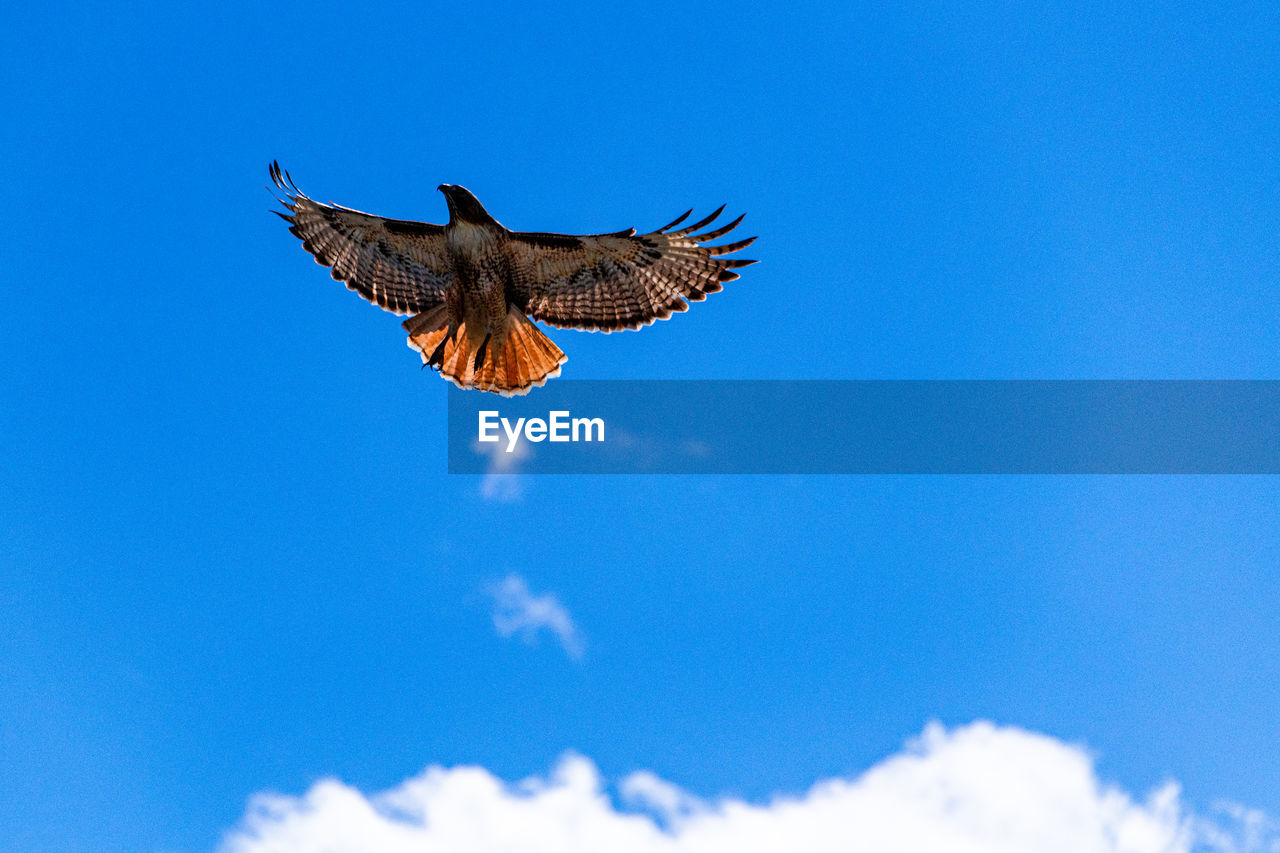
x=502 y=482
x=516 y=610
x=973 y=789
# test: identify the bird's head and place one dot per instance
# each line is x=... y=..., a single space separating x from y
x=463 y=206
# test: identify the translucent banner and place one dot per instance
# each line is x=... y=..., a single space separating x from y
x=870 y=427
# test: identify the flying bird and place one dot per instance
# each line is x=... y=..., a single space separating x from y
x=473 y=287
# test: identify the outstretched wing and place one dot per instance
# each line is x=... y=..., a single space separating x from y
x=398 y=264
x=617 y=281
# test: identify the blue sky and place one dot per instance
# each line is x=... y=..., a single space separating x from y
x=230 y=559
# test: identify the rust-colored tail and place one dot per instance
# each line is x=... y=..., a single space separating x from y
x=509 y=361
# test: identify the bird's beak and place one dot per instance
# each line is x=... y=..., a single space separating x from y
x=443 y=187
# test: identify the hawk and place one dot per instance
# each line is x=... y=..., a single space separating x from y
x=473 y=288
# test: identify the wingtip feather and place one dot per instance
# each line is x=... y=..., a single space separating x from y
x=730 y=247
x=721 y=231
x=673 y=223
x=700 y=224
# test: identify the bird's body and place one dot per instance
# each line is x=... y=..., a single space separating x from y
x=472 y=284
x=478 y=295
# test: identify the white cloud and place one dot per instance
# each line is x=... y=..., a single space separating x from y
x=502 y=481
x=1237 y=829
x=649 y=792
x=516 y=610
x=974 y=789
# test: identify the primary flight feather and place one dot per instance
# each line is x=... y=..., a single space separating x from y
x=473 y=286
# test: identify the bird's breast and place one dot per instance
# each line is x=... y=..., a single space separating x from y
x=471 y=241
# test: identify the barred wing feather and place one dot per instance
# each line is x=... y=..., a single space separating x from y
x=607 y=282
x=401 y=265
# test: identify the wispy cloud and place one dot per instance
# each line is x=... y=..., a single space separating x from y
x=516 y=610
x=974 y=789
x=502 y=481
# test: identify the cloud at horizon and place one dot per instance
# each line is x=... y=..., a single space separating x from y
x=978 y=788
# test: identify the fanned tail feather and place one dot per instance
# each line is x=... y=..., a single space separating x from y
x=427 y=333
x=509 y=363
